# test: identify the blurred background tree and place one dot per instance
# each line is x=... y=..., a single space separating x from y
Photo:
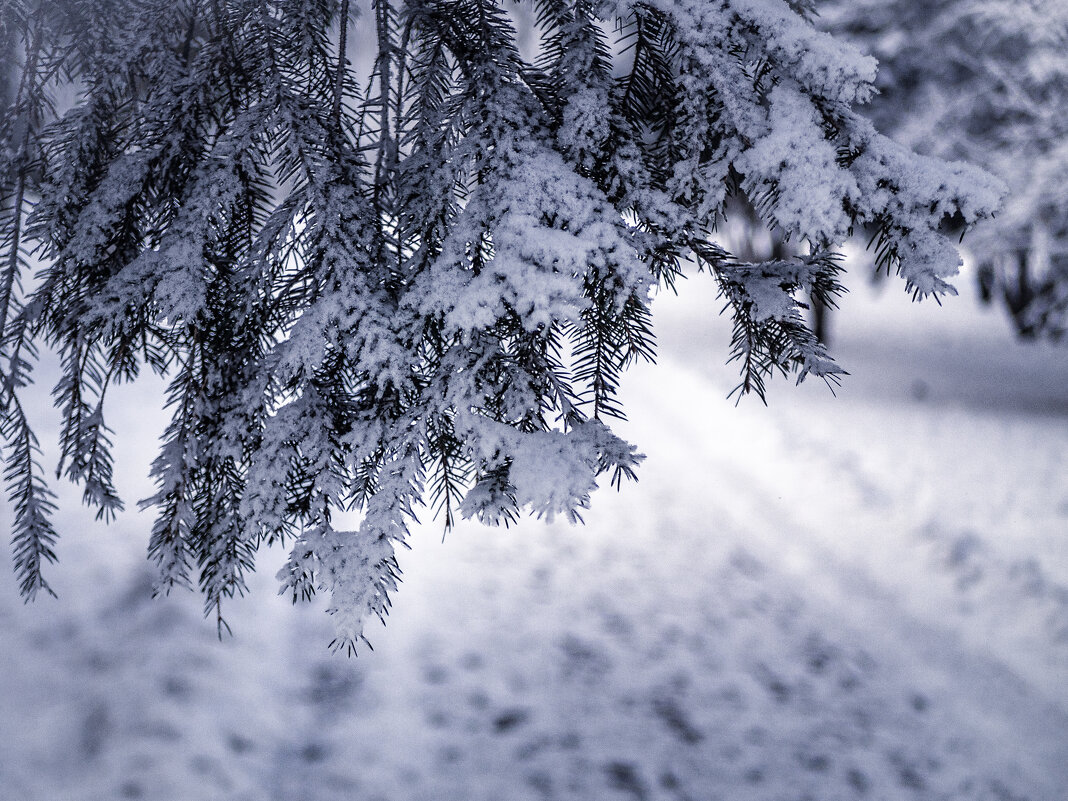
x=983 y=81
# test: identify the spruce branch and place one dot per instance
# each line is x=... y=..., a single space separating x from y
x=420 y=285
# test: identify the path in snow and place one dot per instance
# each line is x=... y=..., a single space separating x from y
x=828 y=599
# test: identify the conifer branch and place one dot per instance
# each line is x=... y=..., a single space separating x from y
x=424 y=290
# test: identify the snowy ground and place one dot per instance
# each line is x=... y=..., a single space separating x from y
x=854 y=598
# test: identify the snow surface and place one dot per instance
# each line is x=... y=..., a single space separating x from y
x=854 y=598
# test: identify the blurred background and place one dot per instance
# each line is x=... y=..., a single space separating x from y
x=850 y=596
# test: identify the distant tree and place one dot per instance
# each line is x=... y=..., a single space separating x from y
x=422 y=287
x=985 y=81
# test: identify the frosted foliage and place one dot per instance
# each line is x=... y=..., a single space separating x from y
x=548 y=227
x=823 y=66
x=585 y=124
x=917 y=193
x=985 y=81
x=351 y=567
x=812 y=191
x=763 y=288
x=420 y=285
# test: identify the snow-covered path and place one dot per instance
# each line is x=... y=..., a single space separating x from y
x=853 y=598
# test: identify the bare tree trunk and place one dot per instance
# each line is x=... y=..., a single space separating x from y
x=820 y=321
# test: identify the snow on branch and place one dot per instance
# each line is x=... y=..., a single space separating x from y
x=422 y=284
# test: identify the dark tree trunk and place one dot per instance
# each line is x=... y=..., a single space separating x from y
x=820 y=321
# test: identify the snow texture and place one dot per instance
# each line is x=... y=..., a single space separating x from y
x=834 y=598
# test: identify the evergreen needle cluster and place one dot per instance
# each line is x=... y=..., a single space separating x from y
x=417 y=281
